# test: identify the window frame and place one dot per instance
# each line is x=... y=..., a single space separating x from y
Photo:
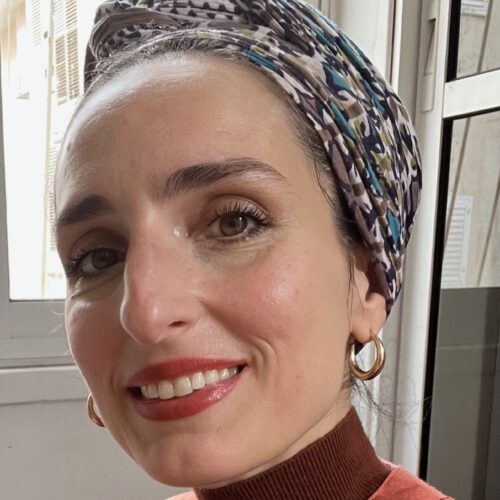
x=30 y=331
x=417 y=307
x=441 y=98
x=460 y=100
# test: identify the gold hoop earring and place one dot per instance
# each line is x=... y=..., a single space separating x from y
x=92 y=413
x=377 y=365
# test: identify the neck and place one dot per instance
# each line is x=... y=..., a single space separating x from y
x=340 y=465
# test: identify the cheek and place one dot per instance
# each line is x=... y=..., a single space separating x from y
x=293 y=303
x=289 y=312
x=93 y=346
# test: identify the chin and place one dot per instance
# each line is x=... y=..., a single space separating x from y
x=197 y=467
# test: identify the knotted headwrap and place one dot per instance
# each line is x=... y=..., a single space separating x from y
x=365 y=129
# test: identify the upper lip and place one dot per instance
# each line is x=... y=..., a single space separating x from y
x=174 y=368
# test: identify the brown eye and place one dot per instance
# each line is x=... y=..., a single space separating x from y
x=97 y=260
x=233 y=224
x=237 y=222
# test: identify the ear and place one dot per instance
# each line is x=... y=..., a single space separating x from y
x=368 y=302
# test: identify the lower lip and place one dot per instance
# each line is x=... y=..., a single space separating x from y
x=185 y=406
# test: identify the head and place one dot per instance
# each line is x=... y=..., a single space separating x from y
x=213 y=229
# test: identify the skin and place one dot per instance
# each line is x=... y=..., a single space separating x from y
x=277 y=299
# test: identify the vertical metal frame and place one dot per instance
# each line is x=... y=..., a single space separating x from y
x=4 y=256
x=416 y=295
x=439 y=243
x=439 y=247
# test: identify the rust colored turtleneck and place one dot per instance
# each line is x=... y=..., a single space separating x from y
x=341 y=465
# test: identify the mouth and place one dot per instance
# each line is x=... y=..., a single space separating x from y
x=163 y=392
x=184 y=385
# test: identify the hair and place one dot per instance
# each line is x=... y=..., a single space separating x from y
x=162 y=46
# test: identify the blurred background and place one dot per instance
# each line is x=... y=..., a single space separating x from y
x=441 y=384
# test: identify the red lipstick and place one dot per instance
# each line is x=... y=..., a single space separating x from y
x=184 y=406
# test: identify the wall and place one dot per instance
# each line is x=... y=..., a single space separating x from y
x=51 y=451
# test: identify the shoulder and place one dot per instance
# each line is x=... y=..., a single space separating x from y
x=402 y=485
x=190 y=495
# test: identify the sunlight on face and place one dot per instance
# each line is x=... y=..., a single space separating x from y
x=193 y=229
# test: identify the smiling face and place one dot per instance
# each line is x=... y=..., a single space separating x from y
x=209 y=239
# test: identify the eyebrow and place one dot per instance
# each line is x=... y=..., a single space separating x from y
x=204 y=174
x=82 y=210
x=180 y=181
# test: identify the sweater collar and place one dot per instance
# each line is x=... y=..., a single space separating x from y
x=340 y=465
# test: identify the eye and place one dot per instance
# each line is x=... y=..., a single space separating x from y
x=233 y=224
x=89 y=263
x=237 y=220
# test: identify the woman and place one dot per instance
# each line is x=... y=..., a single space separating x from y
x=234 y=196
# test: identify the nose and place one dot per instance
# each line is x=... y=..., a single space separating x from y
x=159 y=293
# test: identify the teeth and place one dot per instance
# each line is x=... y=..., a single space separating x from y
x=182 y=386
x=152 y=390
x=211 y=377
x=198 y=381
x=166 y=390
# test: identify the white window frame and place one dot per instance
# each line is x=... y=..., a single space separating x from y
x=30 y=331
x=415 y=301
x=436 y=100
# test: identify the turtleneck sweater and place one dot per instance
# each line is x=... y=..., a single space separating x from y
x=341 y=465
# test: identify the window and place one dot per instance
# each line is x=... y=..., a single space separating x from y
x=460 y=296
x=478 y=37
x=466 y=400
x=42 y=49
x=42 y=54
x=479 y=7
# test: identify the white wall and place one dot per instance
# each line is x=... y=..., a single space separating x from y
x=50 y=450
x=369 y=24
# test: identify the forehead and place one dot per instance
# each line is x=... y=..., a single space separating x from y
x=181 y=109
x=182 y=84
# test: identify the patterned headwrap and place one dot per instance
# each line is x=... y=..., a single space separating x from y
x=366 y=131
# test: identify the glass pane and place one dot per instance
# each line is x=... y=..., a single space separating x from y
x=42 y=45
x=464 y=448
x=479 y=37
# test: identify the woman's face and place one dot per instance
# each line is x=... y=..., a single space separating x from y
x=207 y=244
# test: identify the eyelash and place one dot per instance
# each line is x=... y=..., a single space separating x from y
x=73 y=267
x=236 y=208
